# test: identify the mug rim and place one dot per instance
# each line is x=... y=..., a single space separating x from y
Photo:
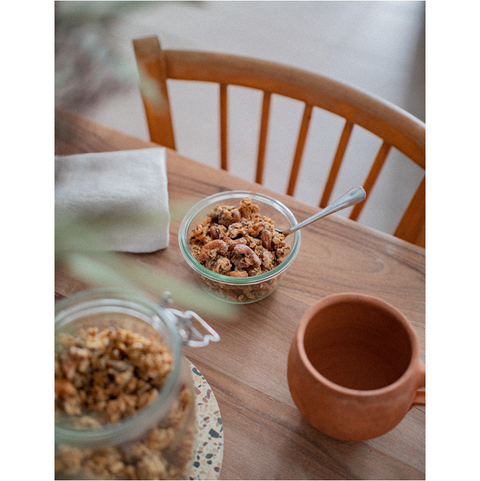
x=352 y=296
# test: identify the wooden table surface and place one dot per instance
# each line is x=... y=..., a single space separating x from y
x=264 y=434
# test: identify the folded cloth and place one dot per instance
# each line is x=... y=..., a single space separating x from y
x=114 y=201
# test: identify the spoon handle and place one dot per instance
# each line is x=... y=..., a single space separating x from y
x=352 y=197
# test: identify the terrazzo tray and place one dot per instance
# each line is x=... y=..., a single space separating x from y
x=208 y=455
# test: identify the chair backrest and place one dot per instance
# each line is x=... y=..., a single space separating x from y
x=394 y=126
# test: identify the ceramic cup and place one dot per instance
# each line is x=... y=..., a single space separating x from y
x=354 y=368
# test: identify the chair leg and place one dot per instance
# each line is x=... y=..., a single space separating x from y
x=153 y=87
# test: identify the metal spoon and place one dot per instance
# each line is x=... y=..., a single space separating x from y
x=352 y=197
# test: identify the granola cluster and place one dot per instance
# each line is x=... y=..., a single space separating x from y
x=238 y=242
x=104 y=377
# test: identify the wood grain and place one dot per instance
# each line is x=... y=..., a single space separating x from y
x=265 y=436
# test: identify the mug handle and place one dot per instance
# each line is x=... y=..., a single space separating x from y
x=419 y=399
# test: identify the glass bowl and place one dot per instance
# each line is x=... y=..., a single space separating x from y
x=239 y=290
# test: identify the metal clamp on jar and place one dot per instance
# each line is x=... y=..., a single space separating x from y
x=124 y=401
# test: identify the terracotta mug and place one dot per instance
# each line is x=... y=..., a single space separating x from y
x=354 y=368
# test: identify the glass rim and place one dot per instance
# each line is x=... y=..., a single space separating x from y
x=237 y=281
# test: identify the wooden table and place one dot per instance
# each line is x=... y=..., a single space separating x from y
x=265 y=436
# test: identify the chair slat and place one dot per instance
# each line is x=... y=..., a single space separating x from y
x=390 y=123
x=223 y=127
x=372 y=177
x=297 y=159
x=262 y=142
x=412 y=225
x=337 y=162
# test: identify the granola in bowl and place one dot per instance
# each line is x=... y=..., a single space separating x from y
x=238 y=242
x=230 y=241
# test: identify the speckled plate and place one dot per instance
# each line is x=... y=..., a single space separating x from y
x=208 y=454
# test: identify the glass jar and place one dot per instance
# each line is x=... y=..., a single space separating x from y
x=124 y=401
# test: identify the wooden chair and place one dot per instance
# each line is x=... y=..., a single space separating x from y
x=393 y=125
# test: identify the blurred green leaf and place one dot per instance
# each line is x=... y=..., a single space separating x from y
x=111 y=269
x=81 y=248
x=86 y=63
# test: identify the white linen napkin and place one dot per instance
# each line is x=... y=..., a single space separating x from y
x=123 y=195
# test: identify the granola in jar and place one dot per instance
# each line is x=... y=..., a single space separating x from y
x=104 y=377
